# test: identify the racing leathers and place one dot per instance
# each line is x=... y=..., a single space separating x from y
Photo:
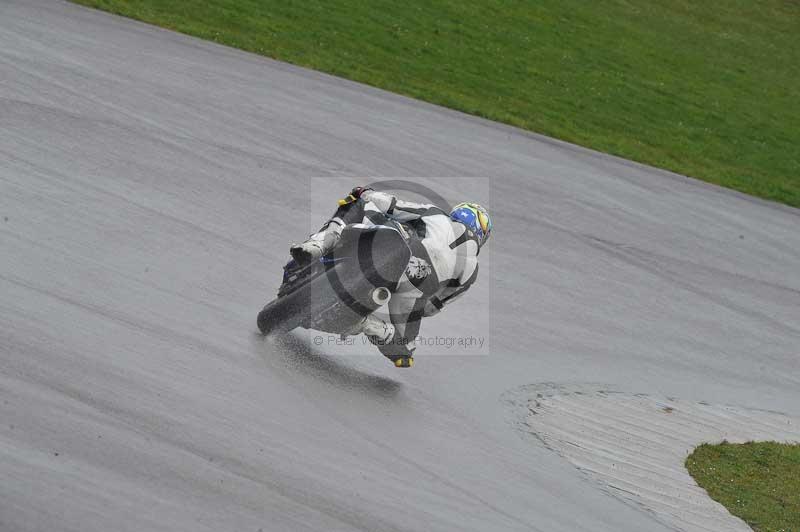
x=443 y=264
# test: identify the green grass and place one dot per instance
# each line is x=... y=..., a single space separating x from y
x=707 y=89
x=758 y=482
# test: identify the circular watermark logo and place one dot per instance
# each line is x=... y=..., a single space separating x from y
x=407 y=221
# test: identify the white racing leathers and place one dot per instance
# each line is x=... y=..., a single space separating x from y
x=443 y=265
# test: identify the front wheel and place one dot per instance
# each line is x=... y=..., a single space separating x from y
x=285 y=313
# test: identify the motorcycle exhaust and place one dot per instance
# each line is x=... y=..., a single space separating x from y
x=381 y=295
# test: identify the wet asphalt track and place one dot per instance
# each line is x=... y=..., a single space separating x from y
x=149 y=185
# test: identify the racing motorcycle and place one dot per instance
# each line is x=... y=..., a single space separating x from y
x=334 y=293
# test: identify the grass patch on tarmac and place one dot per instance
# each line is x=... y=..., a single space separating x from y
x=757 y=482
x=707 y=89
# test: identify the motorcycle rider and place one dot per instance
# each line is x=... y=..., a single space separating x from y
x=444 y=262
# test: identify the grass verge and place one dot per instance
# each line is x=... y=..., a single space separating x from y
x=707 y=89
x=757 y=482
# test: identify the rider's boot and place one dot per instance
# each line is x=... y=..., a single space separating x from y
x=317 y=244
x=350 y=211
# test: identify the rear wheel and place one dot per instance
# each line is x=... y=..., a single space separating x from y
x=291 y=310
x=358 y=278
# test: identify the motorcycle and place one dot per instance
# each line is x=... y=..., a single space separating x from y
x=336 y=292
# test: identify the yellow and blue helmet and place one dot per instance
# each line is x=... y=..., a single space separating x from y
x=476 y=218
